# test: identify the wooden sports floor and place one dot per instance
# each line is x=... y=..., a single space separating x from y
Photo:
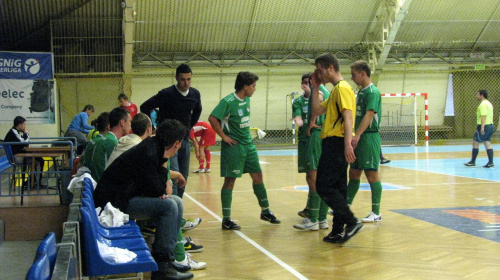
x=440 y=220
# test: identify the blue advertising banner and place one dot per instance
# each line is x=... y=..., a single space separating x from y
x=22 y=65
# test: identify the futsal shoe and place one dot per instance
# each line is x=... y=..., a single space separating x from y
x=372 y=218
x=189 y=246
x=323 y=224
x=304 y=213
x=334 y=237
x=230 y=225
x=201 y=170
x=207 y=170
x=470 y=163
x=269 y=217
x=190 y=224
x=307 y=225
x=351 y=230
x=384 y=161
x=489 y=165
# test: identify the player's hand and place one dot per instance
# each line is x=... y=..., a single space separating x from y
x=354 y=141
x=482 y=131
x=181 y=181
x=316 y=79
x=164 y=196
x=311 y=126
x=299 y=122
x=229 y=140
x=349 y=153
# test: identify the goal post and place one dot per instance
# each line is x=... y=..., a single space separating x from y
x=405 y=118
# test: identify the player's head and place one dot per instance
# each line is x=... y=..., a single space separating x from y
x=183 y=76
x=327 y=60
x=483 y=93
x=140 y=124
x=102 y=122
x=170 y=134
x=120 y=117
x=246 y=81
x=305 y=82
x=360 y=73
x=361 y=66
x=123 y=99
x=89 y=109
x=18 y=121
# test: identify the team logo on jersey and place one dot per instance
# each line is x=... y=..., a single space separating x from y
x=240 y=112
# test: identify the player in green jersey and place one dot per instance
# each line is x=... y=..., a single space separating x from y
x=309 y=151
x=366 y=141
x=231 y=120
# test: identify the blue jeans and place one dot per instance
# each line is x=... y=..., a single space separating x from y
x=166 y=214
x=180 y=162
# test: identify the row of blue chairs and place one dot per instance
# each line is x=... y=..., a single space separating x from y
x=126 y=237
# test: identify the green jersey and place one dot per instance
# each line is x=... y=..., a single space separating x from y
x=301 y=107
x=321 y=118
x=234 y=116
x=97 y=153
x=369 y=99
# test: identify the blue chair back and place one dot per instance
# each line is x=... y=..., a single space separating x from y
x=49 y=247
x=40 y=269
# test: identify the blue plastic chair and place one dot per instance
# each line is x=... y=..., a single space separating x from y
x=40 y=269
x=112 y=233
x=97 y=266
x=49 y=247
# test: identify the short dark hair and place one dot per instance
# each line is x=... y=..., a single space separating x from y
x=140 y=123
x=306 y=76
x=182 y=69
x=102 y=122
x=327 y=59
x=19 y=120
x=483 y=92
x=361 y=66
x=116 y=115
x=88 y=107
x=170 y=131
x=122 y=96
x=244 y=79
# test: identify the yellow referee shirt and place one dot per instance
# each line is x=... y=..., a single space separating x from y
x=341 y=98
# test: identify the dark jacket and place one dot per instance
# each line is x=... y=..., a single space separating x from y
x=15 y=135
x=173 y=105
x=137 y=172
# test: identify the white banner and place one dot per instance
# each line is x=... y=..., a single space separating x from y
x=31 y=99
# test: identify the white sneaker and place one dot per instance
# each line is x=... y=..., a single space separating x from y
x=372 y=218
x=207 y=170
x=201 y=170
x=191 y=223
x=307 y=225
x=323 y=224
x=194 y=265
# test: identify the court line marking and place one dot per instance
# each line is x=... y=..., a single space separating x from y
x=253 y=243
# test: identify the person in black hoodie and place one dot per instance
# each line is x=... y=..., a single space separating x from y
x=136 y=184
x=19 y=133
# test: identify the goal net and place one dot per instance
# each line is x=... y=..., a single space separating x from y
x=404 y=119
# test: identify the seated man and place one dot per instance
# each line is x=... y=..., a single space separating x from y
x=136 y=183
x=100 y=148
x=19 y=133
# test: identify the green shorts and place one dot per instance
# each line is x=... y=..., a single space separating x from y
x=367 y=152
x=238 y=159
x=309 y=152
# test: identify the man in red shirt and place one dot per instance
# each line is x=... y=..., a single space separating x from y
x=125 y=103
x=202 y=148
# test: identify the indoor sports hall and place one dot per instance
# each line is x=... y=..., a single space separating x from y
x=440 y=218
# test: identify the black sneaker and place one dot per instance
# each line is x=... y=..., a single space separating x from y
x=470 y=163
x=334 y=237
x=489 y=165
x=351 y=230
x=384 y=161
x=304 y=213
x=269 y=217
x=190 y=247
x=230 y=225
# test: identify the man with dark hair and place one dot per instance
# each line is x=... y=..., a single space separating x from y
x=19 y=133
x=179 y=102
x=231 y=120
x=125 y=103
x=136 y=183
x=309 y=151
x=484 y=129
x=337 y=150
x=100 y=148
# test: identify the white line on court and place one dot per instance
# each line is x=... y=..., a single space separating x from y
x=260 y=248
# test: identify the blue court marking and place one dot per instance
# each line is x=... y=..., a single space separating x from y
x=433 y=149
x=363 y=187
x=472 y=226
x=452 y=167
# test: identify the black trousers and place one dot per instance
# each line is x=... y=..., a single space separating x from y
x=331 y=182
